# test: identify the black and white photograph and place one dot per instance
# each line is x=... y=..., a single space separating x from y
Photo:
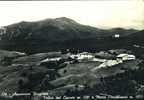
x=72 y=50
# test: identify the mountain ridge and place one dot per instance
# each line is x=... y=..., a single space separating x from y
x=56 y=33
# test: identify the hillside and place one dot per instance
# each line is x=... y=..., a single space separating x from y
x=56 y=34
x=138 y=37
x=36 y=72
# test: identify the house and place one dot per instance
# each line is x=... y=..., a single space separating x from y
x=116 y=35
x=2 y=30
x=84 y=56
x=125 y=57
x=51 y=59
x=104 y=55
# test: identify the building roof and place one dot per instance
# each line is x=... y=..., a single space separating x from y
x=124 y=55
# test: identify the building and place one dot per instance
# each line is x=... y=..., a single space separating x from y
x=2 y=30
x=84 y=56
x=116 y=35
x=125 y=57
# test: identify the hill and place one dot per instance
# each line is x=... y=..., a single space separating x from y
x=56 y=34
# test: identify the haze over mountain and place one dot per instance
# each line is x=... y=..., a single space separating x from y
x=53 y=34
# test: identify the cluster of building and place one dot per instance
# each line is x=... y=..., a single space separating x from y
x=119 y=59
x=85 y=56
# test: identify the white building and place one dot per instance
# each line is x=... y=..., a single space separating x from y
x=82 y=56
x=2 y=30
x=51 y=59
x=125 y=57
x=116 y=35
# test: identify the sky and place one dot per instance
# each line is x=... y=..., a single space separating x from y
x=100 y=13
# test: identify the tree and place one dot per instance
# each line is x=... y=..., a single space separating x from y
x=20 y=85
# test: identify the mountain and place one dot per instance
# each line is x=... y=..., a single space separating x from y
x=58 y=29
x=55 y=34
x=138 y=37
